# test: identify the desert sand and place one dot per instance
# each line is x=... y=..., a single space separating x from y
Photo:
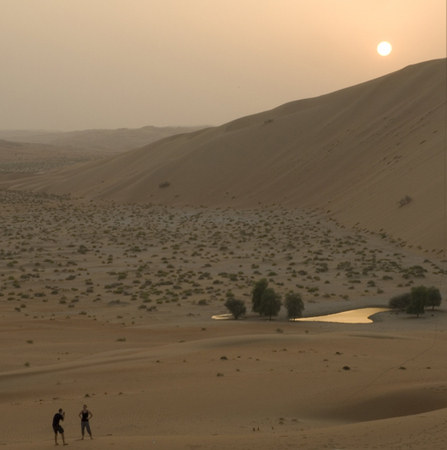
x=111 y=305
x=109 y=283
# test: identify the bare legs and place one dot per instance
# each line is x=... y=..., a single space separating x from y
x=63 y=439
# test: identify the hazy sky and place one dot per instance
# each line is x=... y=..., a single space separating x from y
x=78 y=64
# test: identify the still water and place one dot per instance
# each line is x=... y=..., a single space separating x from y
x=354 y=316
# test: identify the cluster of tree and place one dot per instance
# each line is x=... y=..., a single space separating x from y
x=267 y=302
x=417 y=300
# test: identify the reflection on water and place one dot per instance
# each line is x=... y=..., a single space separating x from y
x=222 y=317
x=354 y=316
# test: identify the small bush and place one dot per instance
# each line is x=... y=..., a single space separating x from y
x=165 y=184
x=404 y=201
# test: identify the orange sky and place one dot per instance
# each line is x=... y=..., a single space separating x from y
x=77 y=64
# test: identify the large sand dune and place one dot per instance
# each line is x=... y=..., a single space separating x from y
x=354 y=154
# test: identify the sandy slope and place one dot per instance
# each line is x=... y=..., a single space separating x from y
x=290 y=385
x=353 y=153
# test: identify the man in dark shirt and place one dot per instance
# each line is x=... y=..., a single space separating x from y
x=57 y=427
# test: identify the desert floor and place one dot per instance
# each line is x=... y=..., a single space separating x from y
x=111 y=305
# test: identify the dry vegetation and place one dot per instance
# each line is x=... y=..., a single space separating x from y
x=76 y=257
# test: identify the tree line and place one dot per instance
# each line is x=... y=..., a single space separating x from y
x=417 y=300
x=267 y=303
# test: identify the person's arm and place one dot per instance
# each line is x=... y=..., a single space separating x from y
x=80 y=415
x=63 y=415
x=91 y=415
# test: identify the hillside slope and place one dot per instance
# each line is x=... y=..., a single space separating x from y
x=353 y=154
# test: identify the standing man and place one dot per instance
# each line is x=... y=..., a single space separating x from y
x=57 y=427
x=85 y=415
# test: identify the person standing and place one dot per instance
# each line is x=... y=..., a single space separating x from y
x=85 y=415
x=57 y=428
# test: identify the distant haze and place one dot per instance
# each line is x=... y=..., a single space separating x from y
x=79 y=64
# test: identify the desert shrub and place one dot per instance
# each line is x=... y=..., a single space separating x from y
x=294 y=305
x=165 y=184
x=400 y=301
x=404 y=201
x=434 y=297
x=322 y=267
x=236 y=307
x=344 y=265
x=270 y=303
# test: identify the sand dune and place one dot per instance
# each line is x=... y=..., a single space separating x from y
x=354 y=154
x=20 y=158
x=107 y=141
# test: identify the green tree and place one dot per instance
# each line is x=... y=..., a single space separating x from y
x=294 y=305
x=419 y=296
x=434 y=297
x=257 y=292
x=236 y=307
x=400 y=301
x=270 y=303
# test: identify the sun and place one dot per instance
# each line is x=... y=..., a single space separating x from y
x=384 y=48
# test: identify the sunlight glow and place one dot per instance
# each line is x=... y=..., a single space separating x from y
x=384 y=48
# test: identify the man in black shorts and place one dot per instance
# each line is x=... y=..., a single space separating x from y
x=57 y=427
